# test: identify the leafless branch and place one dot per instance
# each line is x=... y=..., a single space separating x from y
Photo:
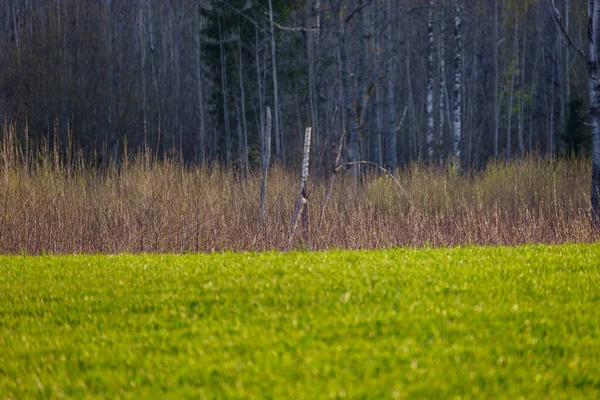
x=560 y=23
x=338 y=168
x=357 y=10
x=372 y=164
x=295 y=29
x=255 y=23
x=401 y=119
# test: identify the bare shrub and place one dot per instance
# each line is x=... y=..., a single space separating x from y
x=147 y=205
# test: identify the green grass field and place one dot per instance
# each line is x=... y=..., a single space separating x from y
x=433 y=323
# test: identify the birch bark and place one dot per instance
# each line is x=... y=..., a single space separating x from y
x=457 y=128
x=430 y=144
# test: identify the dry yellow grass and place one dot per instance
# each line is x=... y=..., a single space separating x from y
x=61 y=205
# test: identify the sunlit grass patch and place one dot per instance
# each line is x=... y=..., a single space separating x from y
x=436 y=323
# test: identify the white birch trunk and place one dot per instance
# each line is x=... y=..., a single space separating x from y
x=457 y=128
x=302 y=207
x=430 y=144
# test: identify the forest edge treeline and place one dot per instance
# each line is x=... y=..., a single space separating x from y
x=406 y=80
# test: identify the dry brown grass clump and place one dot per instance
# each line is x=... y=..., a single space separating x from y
x=63 y=206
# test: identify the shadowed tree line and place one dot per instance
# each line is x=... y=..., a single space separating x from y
x=402 y=80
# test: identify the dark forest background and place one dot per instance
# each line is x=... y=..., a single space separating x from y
x=404 y=80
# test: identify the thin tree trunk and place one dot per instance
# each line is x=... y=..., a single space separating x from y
x=377 y=148
x=259 y=80
x=143 y=72
x=225 y=99
x=429 y=106
x=240 y=139
x=265 y=160
x=392 y=159
x=534 y=87
x=496 y=81
x=551 y=117
x=312 y=94
x=513 y=72
x=157 y=92
x=522 y=97
x=362 y=97
x=279 y=151
x=200 y=139
x=594 y=93
x=567 y=54
x=457 y=128
x=352 y=148
x=243 y=105
x=174 y=31
x=442 y=82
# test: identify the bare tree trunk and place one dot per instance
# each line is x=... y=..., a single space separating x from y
x=377 y=148
x=200 y=139
x=16 y=28
x=110 y=72
x=522 y=97
x=567 y=53
x=496 y=81
x=551 y=116
x=392 y=159
x=279 y=151
x=362 y=98
x=594 y=93
x=225 y=99
x=243 y=105
x=157 y=91
x=457 y=128
x=535 y=87
x=312 y=38
x=513 y=72
x=175 y=50
x=143 y=72
x=442 y=83
x=259 y=80
x=352 y=148
x=429 y=106
x=265 y=160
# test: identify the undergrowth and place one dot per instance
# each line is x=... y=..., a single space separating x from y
x=59 y=203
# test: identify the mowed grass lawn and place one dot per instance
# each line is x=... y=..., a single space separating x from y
x=404 y=323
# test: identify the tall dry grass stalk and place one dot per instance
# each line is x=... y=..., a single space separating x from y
x=55 y=204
